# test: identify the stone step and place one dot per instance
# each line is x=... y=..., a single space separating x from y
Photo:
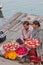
x=8 y=22
x=9 y=26
x=5 y=26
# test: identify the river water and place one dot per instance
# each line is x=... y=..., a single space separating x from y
x=28 y=6
x=10 y=7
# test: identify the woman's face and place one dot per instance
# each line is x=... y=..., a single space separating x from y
x=35 y=26
x=26 y=27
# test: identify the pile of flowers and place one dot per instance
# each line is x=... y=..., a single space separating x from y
x=11 y=46
x=21 y=51
x=32 y=43
x=11 y=55
x=13 y=49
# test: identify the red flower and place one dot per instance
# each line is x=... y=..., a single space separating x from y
x=32 y=43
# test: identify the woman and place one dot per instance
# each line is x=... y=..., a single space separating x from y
x=37 y=33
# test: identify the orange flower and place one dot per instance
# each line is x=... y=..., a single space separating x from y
x=6 y=55
x=11 y=55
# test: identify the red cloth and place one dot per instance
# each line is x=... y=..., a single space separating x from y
x=33 y=56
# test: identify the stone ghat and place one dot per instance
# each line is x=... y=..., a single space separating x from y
x=31 y=18
x=12 y=29
x=15 y=19
x=12 y=26
x=19 y=18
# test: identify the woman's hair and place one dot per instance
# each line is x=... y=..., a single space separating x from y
x=26 y=22
x=36 y=23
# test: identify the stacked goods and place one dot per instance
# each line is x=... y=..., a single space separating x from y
x=11 y=46
x=12 y=49
x=21 y=51
x=11 y=55
x=32 y=43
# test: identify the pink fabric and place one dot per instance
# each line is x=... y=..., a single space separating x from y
x=26 y=34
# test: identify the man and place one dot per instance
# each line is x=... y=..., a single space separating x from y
x=38 y=33
x=25 y=32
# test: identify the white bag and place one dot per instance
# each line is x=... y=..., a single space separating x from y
x=2 y=51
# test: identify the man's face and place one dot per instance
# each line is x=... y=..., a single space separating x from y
x=35 y=26
x=26 y=27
